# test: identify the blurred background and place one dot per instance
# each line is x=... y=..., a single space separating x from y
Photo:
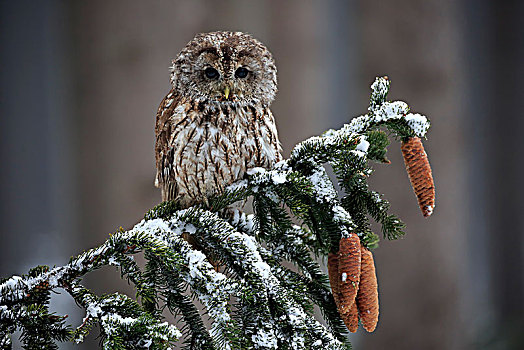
x=80 y=82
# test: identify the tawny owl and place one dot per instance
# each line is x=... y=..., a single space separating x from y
x=215 y=123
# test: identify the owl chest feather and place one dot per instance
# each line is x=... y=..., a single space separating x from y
x=212 y=150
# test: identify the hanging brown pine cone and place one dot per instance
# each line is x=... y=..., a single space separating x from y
x=419 y=172
x=350 y=318
x=349 y=261
x=333 y=275
x=367 y=296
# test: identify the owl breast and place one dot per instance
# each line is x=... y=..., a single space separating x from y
x=206 y=148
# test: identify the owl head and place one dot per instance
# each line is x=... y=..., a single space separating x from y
x=227 y=68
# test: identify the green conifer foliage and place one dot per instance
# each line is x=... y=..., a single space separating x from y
x=269 y=278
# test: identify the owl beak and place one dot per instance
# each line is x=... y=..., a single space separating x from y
x=226 y=92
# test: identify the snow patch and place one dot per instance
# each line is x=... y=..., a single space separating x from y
x=279 y=177
x=265 y=338
x=322 y=185
x=418 y=123
x=344 y=276
x=256 y=170
x=363 y=145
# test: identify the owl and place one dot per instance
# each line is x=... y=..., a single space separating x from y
x=216 y=122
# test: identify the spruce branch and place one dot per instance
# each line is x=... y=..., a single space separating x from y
x=238 y=266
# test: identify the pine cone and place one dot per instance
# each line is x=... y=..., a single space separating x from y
x=349 y=261
x=419 y=172
x=351 y=318
x=367 y=297
x=333 y=275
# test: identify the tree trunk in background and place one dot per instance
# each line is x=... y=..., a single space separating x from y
x=495 y=35
x=38 y=197
x=505 y=176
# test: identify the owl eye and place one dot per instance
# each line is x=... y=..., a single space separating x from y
x=211 y=73
x=241 y=72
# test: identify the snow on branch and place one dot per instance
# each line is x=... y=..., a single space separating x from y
x=233 y=263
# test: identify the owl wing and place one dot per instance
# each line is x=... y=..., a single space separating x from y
x=169 y=114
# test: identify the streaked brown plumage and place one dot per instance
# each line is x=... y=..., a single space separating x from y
x=215 y=123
